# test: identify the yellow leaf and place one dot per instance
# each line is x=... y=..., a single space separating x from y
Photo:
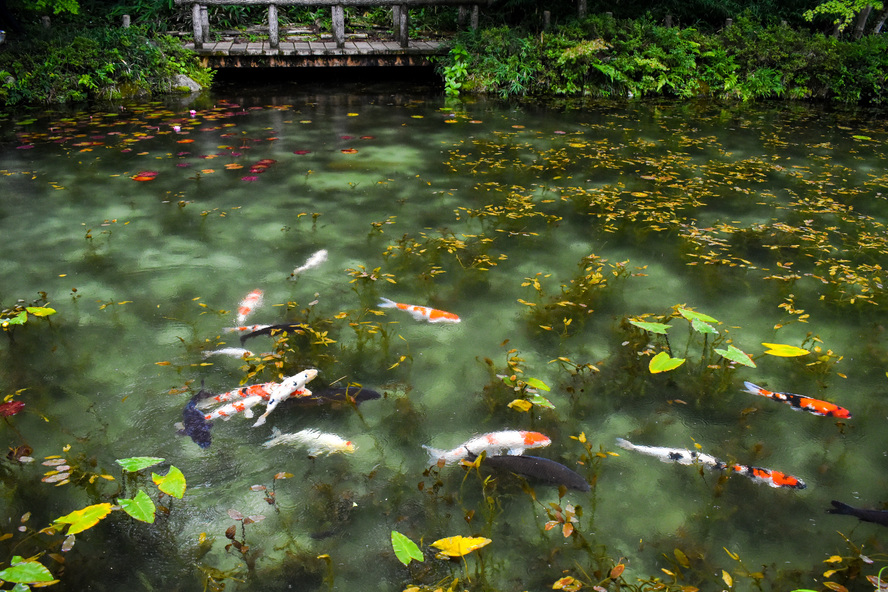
x=784 y=351
x=727 y=578
x=457 y=546
x=829 y=572
x=833 y=559
x=734 y=556
x=521 y=405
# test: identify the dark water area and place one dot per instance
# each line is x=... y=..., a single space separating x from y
x=638 y=260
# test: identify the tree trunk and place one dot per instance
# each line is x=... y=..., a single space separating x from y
x=862 y=16
x=880 y=21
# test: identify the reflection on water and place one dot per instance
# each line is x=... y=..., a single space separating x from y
x=546 y=229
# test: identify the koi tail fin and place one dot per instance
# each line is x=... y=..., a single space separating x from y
x=386 y=303
x=435 y=453
x=752 y=389
x=625 y=444
x=275 y=438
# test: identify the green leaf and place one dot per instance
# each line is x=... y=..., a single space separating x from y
x=88 y=517
x=40 y=311
x=696 y=316
x=536 y=383
x=26 y=572
x=660 y=328
x=173 y=483
x=508 y=381
x=736 y=355
x=663 y=362
x=405 y=549
x=540 y=400
x=140 y=507
x=784 y=351
x=19 y=319
x=701 y=327
x=137 y=463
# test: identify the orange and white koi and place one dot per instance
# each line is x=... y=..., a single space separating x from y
x=493 y=443
x=421 y=313
x=246 y=328
x=684 y=456
x=250 y=303
x=768 y=476
x=243 y=399
x=234 y=352
x=800 y=402
x=317 y=442
x=315 y=260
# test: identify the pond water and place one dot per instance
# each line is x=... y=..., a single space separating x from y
x=547 y=229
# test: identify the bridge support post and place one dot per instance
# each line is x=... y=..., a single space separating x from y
x=205 y=23
x=338 y=25
x=196 y=23
x=273 y=38
x=403 y=25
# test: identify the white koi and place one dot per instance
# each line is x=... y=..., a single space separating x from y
x=242 y=399
x=285 y=390
x=234 y=352
x=421 y=313
x=317 y=442
x=682 y=456
x=314 y=261
x=493 y=443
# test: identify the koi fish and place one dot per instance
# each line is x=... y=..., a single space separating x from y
x=315 y=260
x=270 y=393
x=317 y=442
x=337 y=396
x=768 y=476
x=194 y=424
x=800 y=402
x=251 y=302
x=509 y=441
x=684 y=456
x=234 y=352
x=541 y=469
x=271 y=330
x=246 y=328
x=874 y=516
x=421 y=313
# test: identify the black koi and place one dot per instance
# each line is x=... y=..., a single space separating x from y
x=875 y=516
x=195 y=425
x=272 y=330
x=536 y=467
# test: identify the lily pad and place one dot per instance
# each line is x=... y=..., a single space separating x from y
x=405 y=549
x=663 y=362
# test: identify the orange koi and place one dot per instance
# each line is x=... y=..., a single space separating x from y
x=421 y=313
x=252 y=301
x=800 y=402
x=509 y=441
x=769 y=477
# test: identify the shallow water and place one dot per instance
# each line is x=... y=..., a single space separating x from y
x=758 y=216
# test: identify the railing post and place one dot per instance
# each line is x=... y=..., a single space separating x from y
x=473 y=22
x=338 y=25
x=205 y=23
x=273 y=39
x=462 y=16
x=581 y=8
x=196 y=23
x=396 y=20
x=403 y=25
x=126 y=21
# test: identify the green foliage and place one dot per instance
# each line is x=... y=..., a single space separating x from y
x=842 y=12
x=76 y=64
x=606 y=57
x=405 y=549
x=141 y=507
x=137 y=463
x=26 y=571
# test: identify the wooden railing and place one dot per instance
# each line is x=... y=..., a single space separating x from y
x=468 y=10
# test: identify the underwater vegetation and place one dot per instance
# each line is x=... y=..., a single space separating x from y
x=468 y=326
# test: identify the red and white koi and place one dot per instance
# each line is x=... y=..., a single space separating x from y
x=246 y=328
x=251 y=302
x=243 y=399
x=421 y=313
x=800 y=402
x=684 y=456
x=317 y=442
x=315 y=260
x=493 y=443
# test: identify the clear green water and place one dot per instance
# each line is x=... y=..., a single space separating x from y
x=461 y=203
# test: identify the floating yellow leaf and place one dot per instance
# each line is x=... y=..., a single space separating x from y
x=88 y=517
x=521 y=405
x=457 y=546
x=784 y=351
x=729 y=581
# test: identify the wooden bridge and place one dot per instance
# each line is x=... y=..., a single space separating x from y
x=308 y=49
